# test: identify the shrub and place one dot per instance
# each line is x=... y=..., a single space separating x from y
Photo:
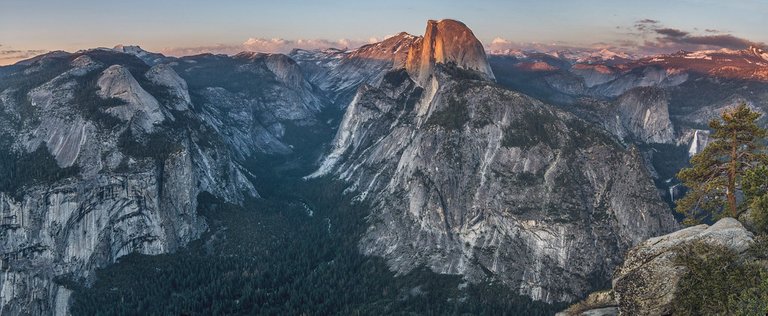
x=452 y=117
x=530 y=129
x=752 y=300
x=21 y=169
x=715 y=280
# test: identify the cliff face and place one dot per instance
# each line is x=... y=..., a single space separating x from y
x=696 y=86
x=117 y=82
x=446 y=41
x=644 y=114
x=104 y=156
x=73 y=226
x=470 y=179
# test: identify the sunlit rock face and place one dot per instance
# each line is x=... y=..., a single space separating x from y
x=446 y=41
x=339 y=73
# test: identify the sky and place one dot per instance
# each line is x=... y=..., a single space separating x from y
x=184 y=27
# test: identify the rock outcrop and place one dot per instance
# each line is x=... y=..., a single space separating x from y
x=118 y=82
x=148 y=57
x=446 y=41
x=644 y=113
x=647 y=282
x=164 y=76
x=252 y=99
x=696 y=140
x=339 y=73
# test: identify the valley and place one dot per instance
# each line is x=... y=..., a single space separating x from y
x=413 y=175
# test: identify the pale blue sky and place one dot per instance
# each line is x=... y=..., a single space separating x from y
x=163 y=24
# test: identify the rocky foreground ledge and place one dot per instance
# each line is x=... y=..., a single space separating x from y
x=648 y=283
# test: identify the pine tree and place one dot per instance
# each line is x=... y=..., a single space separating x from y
x=755 y=188
x=715 y=176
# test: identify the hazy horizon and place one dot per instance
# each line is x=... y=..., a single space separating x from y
x=179 y=28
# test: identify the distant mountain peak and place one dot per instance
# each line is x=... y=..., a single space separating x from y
x=759 y=51
x=148 y=57
x=130 y=49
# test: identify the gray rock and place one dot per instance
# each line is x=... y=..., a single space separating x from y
x=164 y=75
x=605 y=311
x=644 y=113
x=596 y=304
x=491 y=194
x=117 y=82
x=471 y=179
x=117 y=202
x=647 y=282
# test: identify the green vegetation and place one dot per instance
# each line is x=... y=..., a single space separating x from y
x=719 y=283
x=396 y=77
x=18 y=170
x=272 y=258
x=452 y=117
x=755 y=188
x=752 y=300
x=586 y=135
x=91 y=105
x=158 y=145
x=235 y=75
x=728 y=178
x=460 y=74
x=718 y=171
x=530 y=129
x=482 y=116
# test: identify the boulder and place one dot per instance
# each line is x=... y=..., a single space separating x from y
x=648 y=281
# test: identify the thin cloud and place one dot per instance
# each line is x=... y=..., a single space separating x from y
x=648 y=21
x=501 y=45
x=646 y=37
x=646 y=25
x=268 y=45
x=652 y=38
x=672 y=32
x=716 y=41
x=11 y=56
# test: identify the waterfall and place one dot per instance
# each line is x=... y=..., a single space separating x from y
x=694 y=144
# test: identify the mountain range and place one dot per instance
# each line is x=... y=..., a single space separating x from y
x=534 y=172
